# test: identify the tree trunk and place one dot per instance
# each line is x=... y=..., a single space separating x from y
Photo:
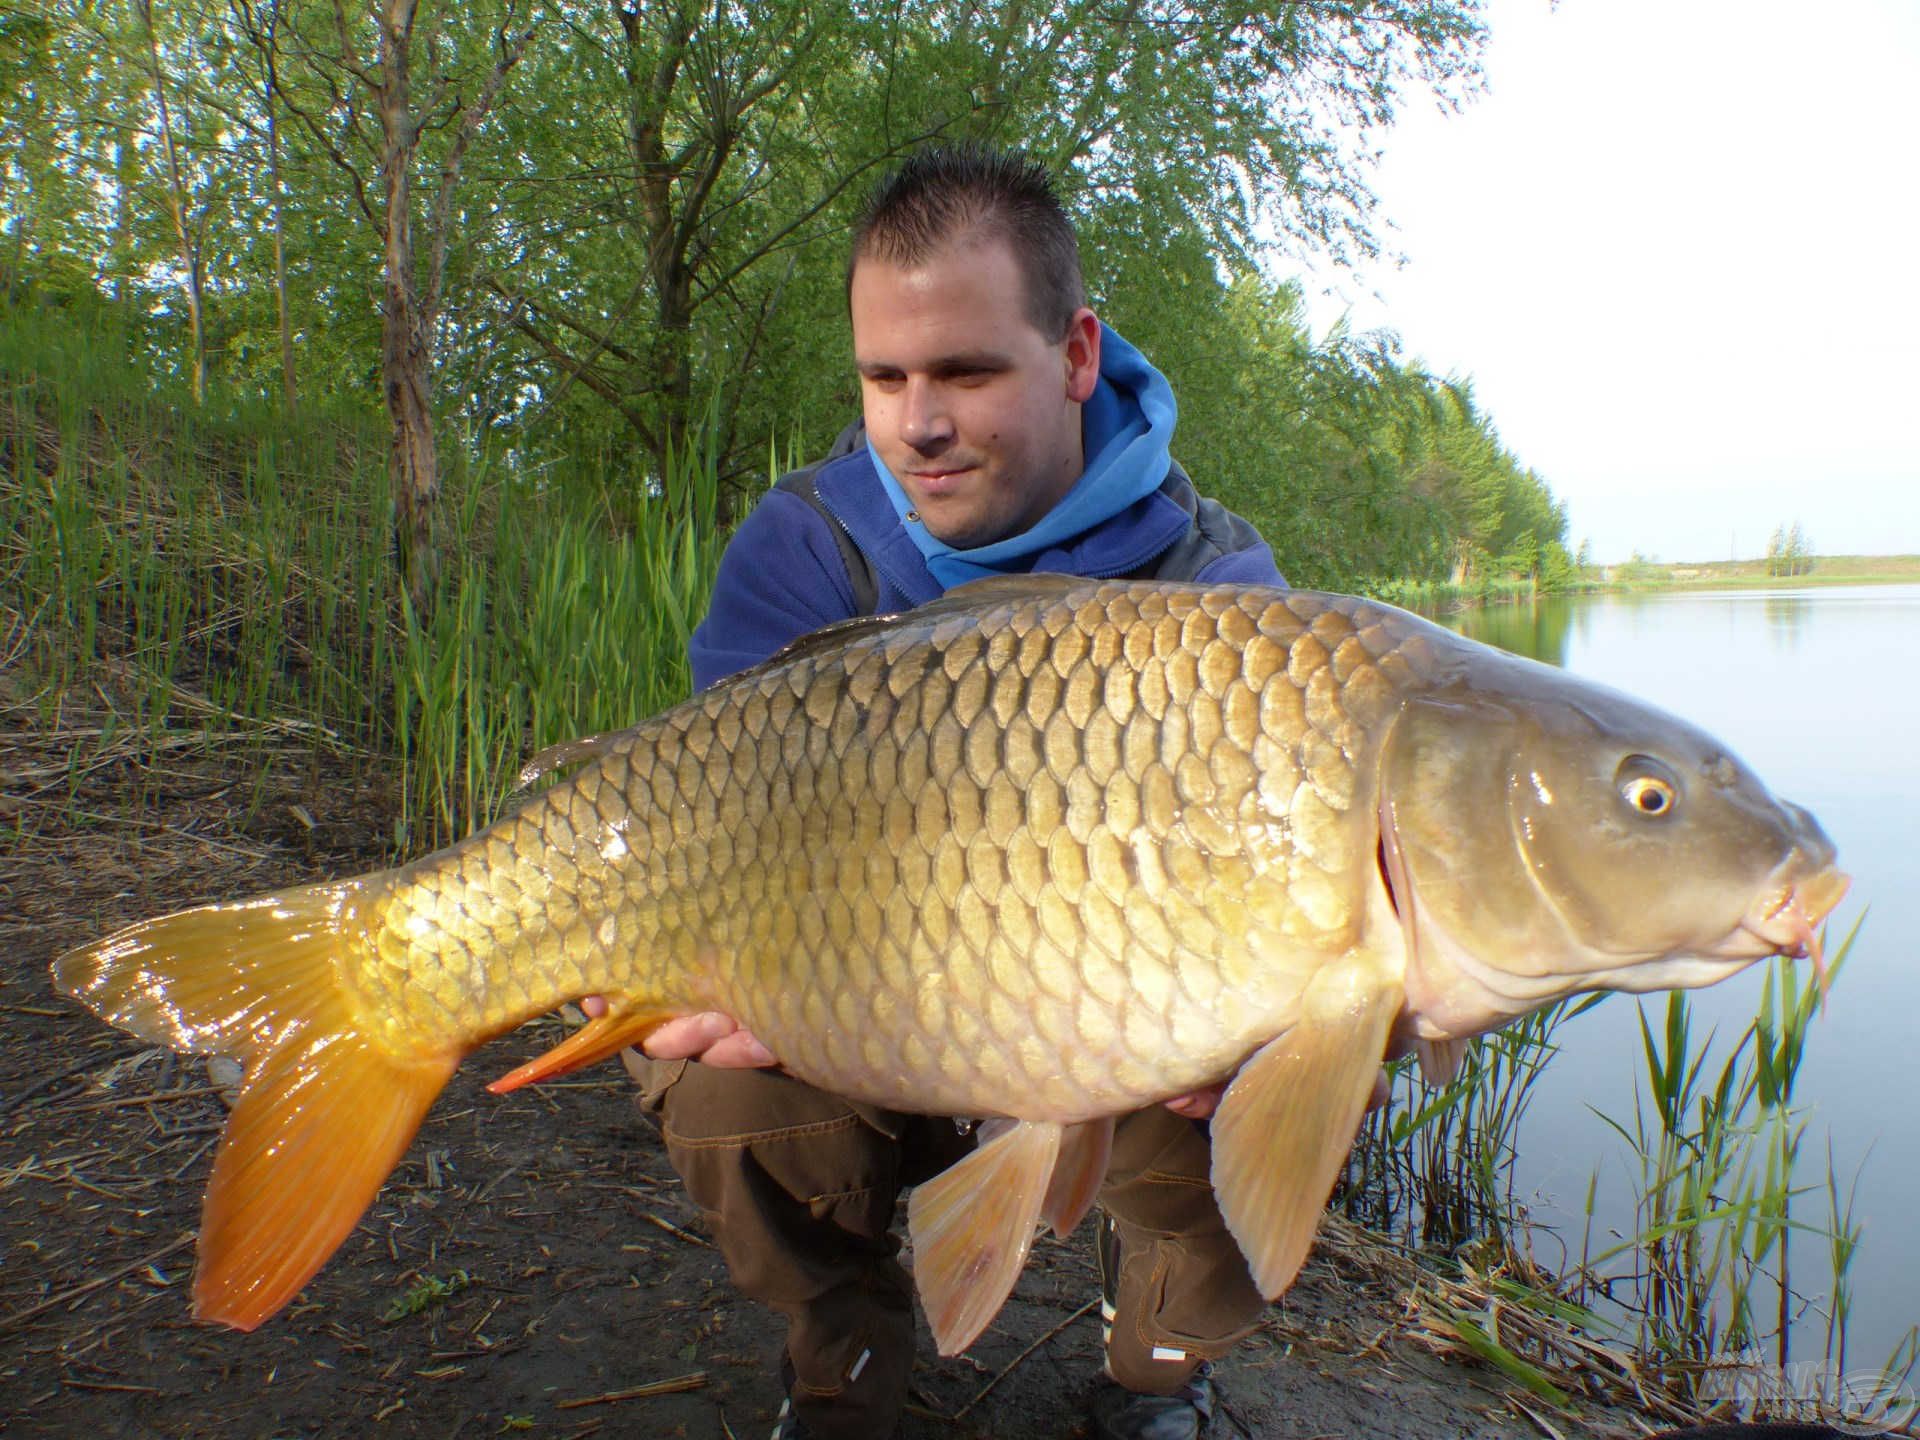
x=404 y=354
x=177 y=197
x=675 y=316
x=290 y=392
x=123 y=248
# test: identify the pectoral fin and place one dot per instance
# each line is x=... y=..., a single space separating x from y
x=972 y=1225
x=1284 y=1127
x=1077 y=1174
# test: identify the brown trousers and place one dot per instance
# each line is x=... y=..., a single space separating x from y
x=799 y=1188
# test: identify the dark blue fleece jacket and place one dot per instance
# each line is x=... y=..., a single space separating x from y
x=1133 y=513
x=783 y=574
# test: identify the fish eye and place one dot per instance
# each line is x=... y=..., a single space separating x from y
x=1648 y=786
x=1648 y=795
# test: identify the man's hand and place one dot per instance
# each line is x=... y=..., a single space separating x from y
x=712 y=1039
x=709 y=1037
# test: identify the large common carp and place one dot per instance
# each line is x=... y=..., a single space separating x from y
x=1048 y=850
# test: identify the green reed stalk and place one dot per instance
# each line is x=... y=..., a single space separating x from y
x=1720 y=1164
x=221 y=553
x=1439 y=1160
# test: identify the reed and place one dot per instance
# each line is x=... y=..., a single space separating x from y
x=540 y=632
x=1433 y=597
x=1714 y=1276
x=221 y=566
x=1737 y=1266
x=1435 y=1164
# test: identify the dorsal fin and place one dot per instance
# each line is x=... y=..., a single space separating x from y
x=1041 y=586
x=567 y=752
x=962 y=597
x=828 y=637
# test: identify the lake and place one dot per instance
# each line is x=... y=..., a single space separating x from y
x=1817 y=690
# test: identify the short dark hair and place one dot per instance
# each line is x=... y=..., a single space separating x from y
x=948 y=192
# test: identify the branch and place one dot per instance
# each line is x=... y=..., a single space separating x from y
x=827 y=197
x=437 y=225
x=572 y=368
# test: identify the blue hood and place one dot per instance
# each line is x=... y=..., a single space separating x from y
x=1126 y=431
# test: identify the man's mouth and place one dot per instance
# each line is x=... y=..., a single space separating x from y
x=942 y=481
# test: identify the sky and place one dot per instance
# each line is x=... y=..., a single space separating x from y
x=1676 y=246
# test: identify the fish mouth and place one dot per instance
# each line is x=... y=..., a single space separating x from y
x=1783 y=920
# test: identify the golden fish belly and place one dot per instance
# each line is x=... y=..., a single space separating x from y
x=1051 y=857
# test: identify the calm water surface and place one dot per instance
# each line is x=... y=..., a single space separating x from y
x=1819 y=691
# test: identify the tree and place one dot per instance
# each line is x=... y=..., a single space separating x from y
x=658 y=245
x=1789 y=553
x=713 y=167
x=361 y=105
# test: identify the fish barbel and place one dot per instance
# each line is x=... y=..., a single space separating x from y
x=1048 y=850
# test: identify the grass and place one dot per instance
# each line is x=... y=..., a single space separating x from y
x=1431 y=597
x=1709 y=1277
x=1437 y=1161
x=226 y=567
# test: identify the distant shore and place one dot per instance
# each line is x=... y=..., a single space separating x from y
x=1753 y=574
x=1431 y=597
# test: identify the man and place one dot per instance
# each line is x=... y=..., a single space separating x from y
x=1005 y=430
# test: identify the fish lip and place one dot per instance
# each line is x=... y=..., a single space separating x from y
x=1783 y=920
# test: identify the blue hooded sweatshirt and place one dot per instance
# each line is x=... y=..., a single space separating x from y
x=785 y=572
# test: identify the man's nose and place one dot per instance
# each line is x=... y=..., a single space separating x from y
x=924 y=421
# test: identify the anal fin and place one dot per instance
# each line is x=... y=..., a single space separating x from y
x=972 y=1226
x=595 y=1040
x=1286 y=1123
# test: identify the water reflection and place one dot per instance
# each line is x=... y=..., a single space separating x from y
x=1787 y=617
x=1537 y=628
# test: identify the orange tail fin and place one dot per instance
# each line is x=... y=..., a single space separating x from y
x=326 y=1111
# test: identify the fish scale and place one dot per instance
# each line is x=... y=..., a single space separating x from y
x=1028 y=830
x=1046 y=849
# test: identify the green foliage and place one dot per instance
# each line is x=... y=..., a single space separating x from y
x=1438 y=1159
x=1704 y=1283
x=545 y=627
x=647 y=225
x=1706 y=1278
x=427 y=1293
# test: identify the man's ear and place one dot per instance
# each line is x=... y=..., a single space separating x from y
x=1083 y=355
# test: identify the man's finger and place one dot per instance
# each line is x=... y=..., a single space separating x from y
x=1198 y=1105
x=741 y=1050
x=712 y=1039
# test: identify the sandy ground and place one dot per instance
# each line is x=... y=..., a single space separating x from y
x=532 y=1266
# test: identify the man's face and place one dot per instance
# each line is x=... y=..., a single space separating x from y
x=975 y=412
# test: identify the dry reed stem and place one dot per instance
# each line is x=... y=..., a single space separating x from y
x=694 y=1381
